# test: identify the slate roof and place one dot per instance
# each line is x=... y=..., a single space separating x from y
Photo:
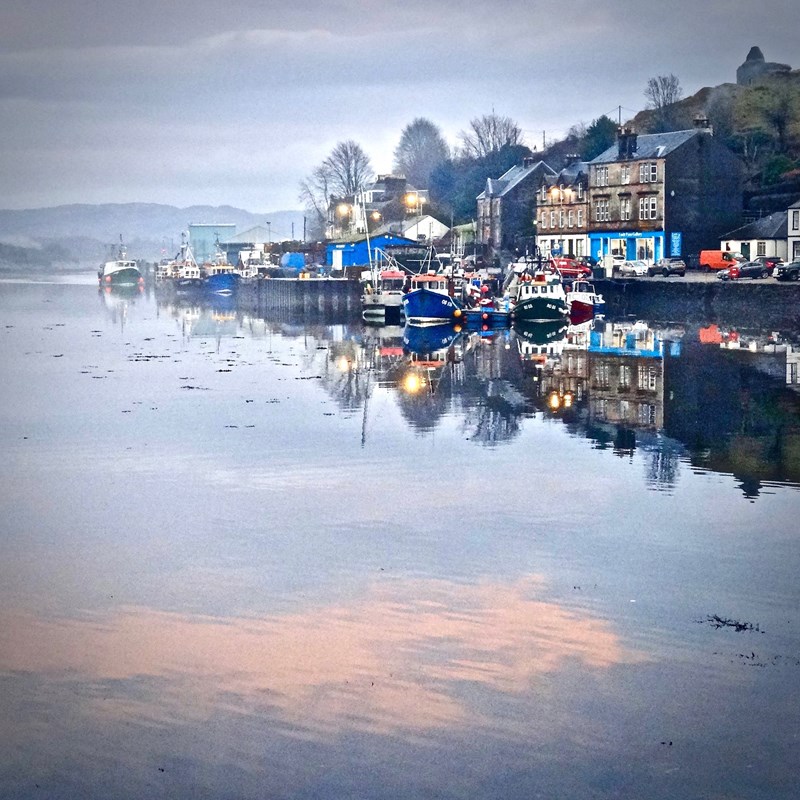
x=569 y=174
x=773 y=226
x=498 y=187
x=650 y=145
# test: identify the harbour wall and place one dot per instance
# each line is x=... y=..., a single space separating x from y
x=742 y=303
x=313 y=296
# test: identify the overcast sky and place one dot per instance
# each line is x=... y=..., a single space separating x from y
x=235 y=102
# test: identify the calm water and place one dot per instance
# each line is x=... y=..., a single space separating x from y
x=252 y=559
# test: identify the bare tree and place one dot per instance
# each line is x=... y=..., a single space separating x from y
x=348 y=168
x=342 y=174
x=488 y=134
x=314 y=195
x=662 y=92
x=422 y=148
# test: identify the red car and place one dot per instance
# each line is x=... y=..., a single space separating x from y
x=570 y=268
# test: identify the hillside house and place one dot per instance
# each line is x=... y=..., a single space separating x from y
x=507 y=205
x=563 y=212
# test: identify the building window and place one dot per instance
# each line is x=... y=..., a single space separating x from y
x=601 y=375
x=580 y=218
x=625 y=208
x=647 y=378
x=601 y=211
x=648 y=207
x=552 y=219
x=795 y=220
x=544 y=193
x=570 y=219
x=648 y=172
x=543 y=221
x=761 y=248
x=580 y=196
x=602 y=176
x=647 y=414
x=625 y=376
x=625 y=173
x=560 y=219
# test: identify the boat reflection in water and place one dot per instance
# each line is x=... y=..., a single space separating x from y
x=118 y=300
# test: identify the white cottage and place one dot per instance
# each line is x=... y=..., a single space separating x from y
x=793 y=231
x=764 y=237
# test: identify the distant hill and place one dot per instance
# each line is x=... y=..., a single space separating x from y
x=84 y=233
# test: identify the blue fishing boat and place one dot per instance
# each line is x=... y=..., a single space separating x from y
x=221 y=282
x=430 y=300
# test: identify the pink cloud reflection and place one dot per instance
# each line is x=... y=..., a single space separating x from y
x=389 y=660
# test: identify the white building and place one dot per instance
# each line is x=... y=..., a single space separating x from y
x=764 y=237
x=793 y=232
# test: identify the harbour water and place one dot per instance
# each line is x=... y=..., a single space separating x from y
x=246 y=557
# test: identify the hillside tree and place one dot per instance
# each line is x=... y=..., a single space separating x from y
x=488 y=134
x=422 y=148
x=343 y=173
x=662 y=93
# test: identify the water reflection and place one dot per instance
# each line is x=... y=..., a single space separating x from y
x=723 y=403
x=392 y=660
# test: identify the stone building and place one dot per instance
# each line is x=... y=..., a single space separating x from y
x=663 y=194
x=755 y=67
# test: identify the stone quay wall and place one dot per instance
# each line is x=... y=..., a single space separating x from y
x=767 y=304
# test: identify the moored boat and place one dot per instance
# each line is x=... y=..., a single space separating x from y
x=430 y=300
x=120 y=271
x=382 y=295
x=584 y=302
x=538 y=297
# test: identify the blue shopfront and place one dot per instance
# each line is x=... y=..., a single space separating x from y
x=631 y=245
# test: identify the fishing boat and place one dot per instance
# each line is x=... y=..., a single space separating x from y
x=382 y=295
x=430 y=300
x=120 y=271
x=584 y=302
x=220 y=276
x=538 y=297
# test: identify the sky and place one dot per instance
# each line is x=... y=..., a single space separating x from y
x=234 y=103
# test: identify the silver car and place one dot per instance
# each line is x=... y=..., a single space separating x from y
x=636 y=269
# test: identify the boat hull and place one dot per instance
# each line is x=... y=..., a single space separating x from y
x=222 y=283
x=536 y=309
x=477 y=318
x=429 y=307
x=125 y=276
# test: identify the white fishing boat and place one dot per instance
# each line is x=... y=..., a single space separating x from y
x=120 y=271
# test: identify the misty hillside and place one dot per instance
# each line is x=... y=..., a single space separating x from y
x=84 y=233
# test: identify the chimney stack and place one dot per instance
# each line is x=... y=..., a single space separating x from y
x=626 y=142
x=701 y=123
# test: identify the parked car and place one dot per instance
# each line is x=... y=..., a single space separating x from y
x=747 y=269
x=636 y=269
x=667 y=267
x=769 y=261
x=570 y=268
x=788 y=272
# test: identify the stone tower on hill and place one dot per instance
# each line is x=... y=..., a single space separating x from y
x=755 y=67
